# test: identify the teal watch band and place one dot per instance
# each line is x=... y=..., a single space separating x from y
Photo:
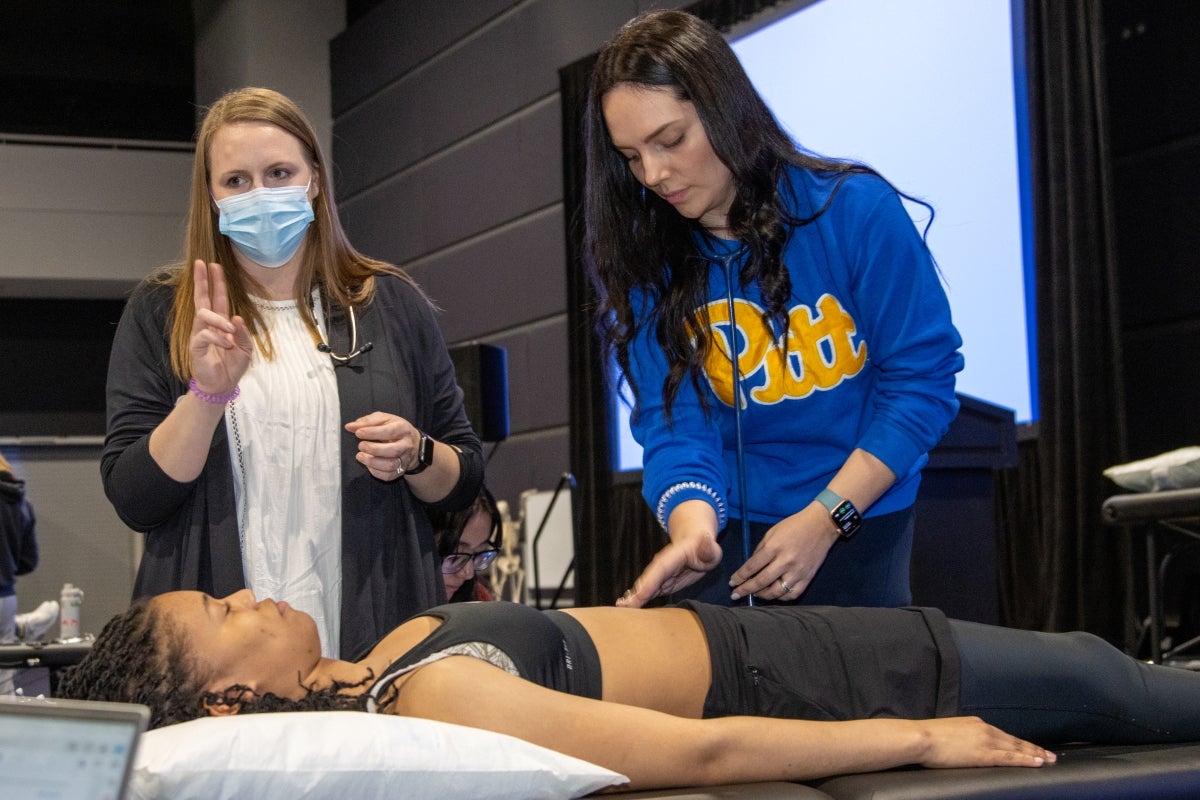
x=829 y=499
x=843 y=513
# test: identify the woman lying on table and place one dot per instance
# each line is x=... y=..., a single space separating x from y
x=677 y=696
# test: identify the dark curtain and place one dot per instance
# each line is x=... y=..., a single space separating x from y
x=1063 y=568
x=1060 y=568
x=590 y=444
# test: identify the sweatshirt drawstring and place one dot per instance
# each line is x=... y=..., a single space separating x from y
x=727 y=265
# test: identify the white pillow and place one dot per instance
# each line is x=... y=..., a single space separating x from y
x=1177 y=469
x=350 y=755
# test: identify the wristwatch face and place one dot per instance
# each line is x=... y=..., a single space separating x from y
x=847 y=519
x=845 y=515
x=424 y=454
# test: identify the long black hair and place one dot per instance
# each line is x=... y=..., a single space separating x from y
x=635 y=241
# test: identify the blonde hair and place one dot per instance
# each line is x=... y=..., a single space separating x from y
x=344 y=276
x=4 y=465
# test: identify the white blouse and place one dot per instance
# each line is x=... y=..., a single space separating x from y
x=284 y=431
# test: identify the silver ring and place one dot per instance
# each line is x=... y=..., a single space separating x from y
x=786 y=588
x=399 y=469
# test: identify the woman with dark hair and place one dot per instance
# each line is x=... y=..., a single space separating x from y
x=282 y=409
x=679 y=696
x=790 y=471
x=468 y=542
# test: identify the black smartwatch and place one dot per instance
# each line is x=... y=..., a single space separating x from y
x=424 y=455
x=845 y=516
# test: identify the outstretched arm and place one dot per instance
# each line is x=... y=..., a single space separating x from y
x=692 y=551
x=658 y=750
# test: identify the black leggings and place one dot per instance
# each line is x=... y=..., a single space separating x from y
x=1066 y=687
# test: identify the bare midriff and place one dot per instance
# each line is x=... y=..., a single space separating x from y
x=654 y=658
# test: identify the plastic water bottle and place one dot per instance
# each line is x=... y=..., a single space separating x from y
x=70 y=603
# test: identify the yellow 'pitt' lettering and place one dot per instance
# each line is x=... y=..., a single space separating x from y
x=820 y=351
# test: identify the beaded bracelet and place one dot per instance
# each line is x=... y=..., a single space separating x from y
x=215 y=399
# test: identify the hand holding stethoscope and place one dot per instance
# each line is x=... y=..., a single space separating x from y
x=220 y=345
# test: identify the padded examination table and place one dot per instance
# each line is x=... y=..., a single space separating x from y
x=1083 y=772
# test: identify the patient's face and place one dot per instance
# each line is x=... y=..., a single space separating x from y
x=267 y=646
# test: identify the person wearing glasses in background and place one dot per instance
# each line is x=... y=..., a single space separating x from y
x=468 y=542
x=282 y=410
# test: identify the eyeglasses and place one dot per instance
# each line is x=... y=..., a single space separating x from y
x=480 y=561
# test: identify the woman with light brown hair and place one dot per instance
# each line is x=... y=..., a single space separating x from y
x=281 y=408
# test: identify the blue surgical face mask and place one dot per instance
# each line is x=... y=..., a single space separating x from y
x=266 y=225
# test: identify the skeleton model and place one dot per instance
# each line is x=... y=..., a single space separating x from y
x=506 y=578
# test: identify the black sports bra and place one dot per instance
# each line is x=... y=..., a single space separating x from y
x=549 y=648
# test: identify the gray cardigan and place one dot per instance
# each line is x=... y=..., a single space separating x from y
x=389 y=569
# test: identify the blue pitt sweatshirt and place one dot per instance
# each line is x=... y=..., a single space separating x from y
x=868 y=361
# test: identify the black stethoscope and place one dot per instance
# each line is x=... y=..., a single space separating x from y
x=355 y=350
x=727 y=262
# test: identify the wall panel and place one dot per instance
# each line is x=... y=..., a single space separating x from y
x=491 y=73
x=499 y=279
x=80 y=220
x=532 y=461
x=537 y=362
x=480 y=184
x=448 y=154
x=394 y=38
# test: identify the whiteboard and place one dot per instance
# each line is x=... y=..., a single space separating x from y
x=555 y=549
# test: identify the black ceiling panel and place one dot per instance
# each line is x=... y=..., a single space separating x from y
x=97 y=69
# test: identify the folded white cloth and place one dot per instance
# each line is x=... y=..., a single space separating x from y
x=33 y=625
x=1175 y=469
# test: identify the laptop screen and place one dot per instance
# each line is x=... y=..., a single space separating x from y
x=69 y=749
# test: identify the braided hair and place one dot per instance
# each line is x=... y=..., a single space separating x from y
x=140 y=657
